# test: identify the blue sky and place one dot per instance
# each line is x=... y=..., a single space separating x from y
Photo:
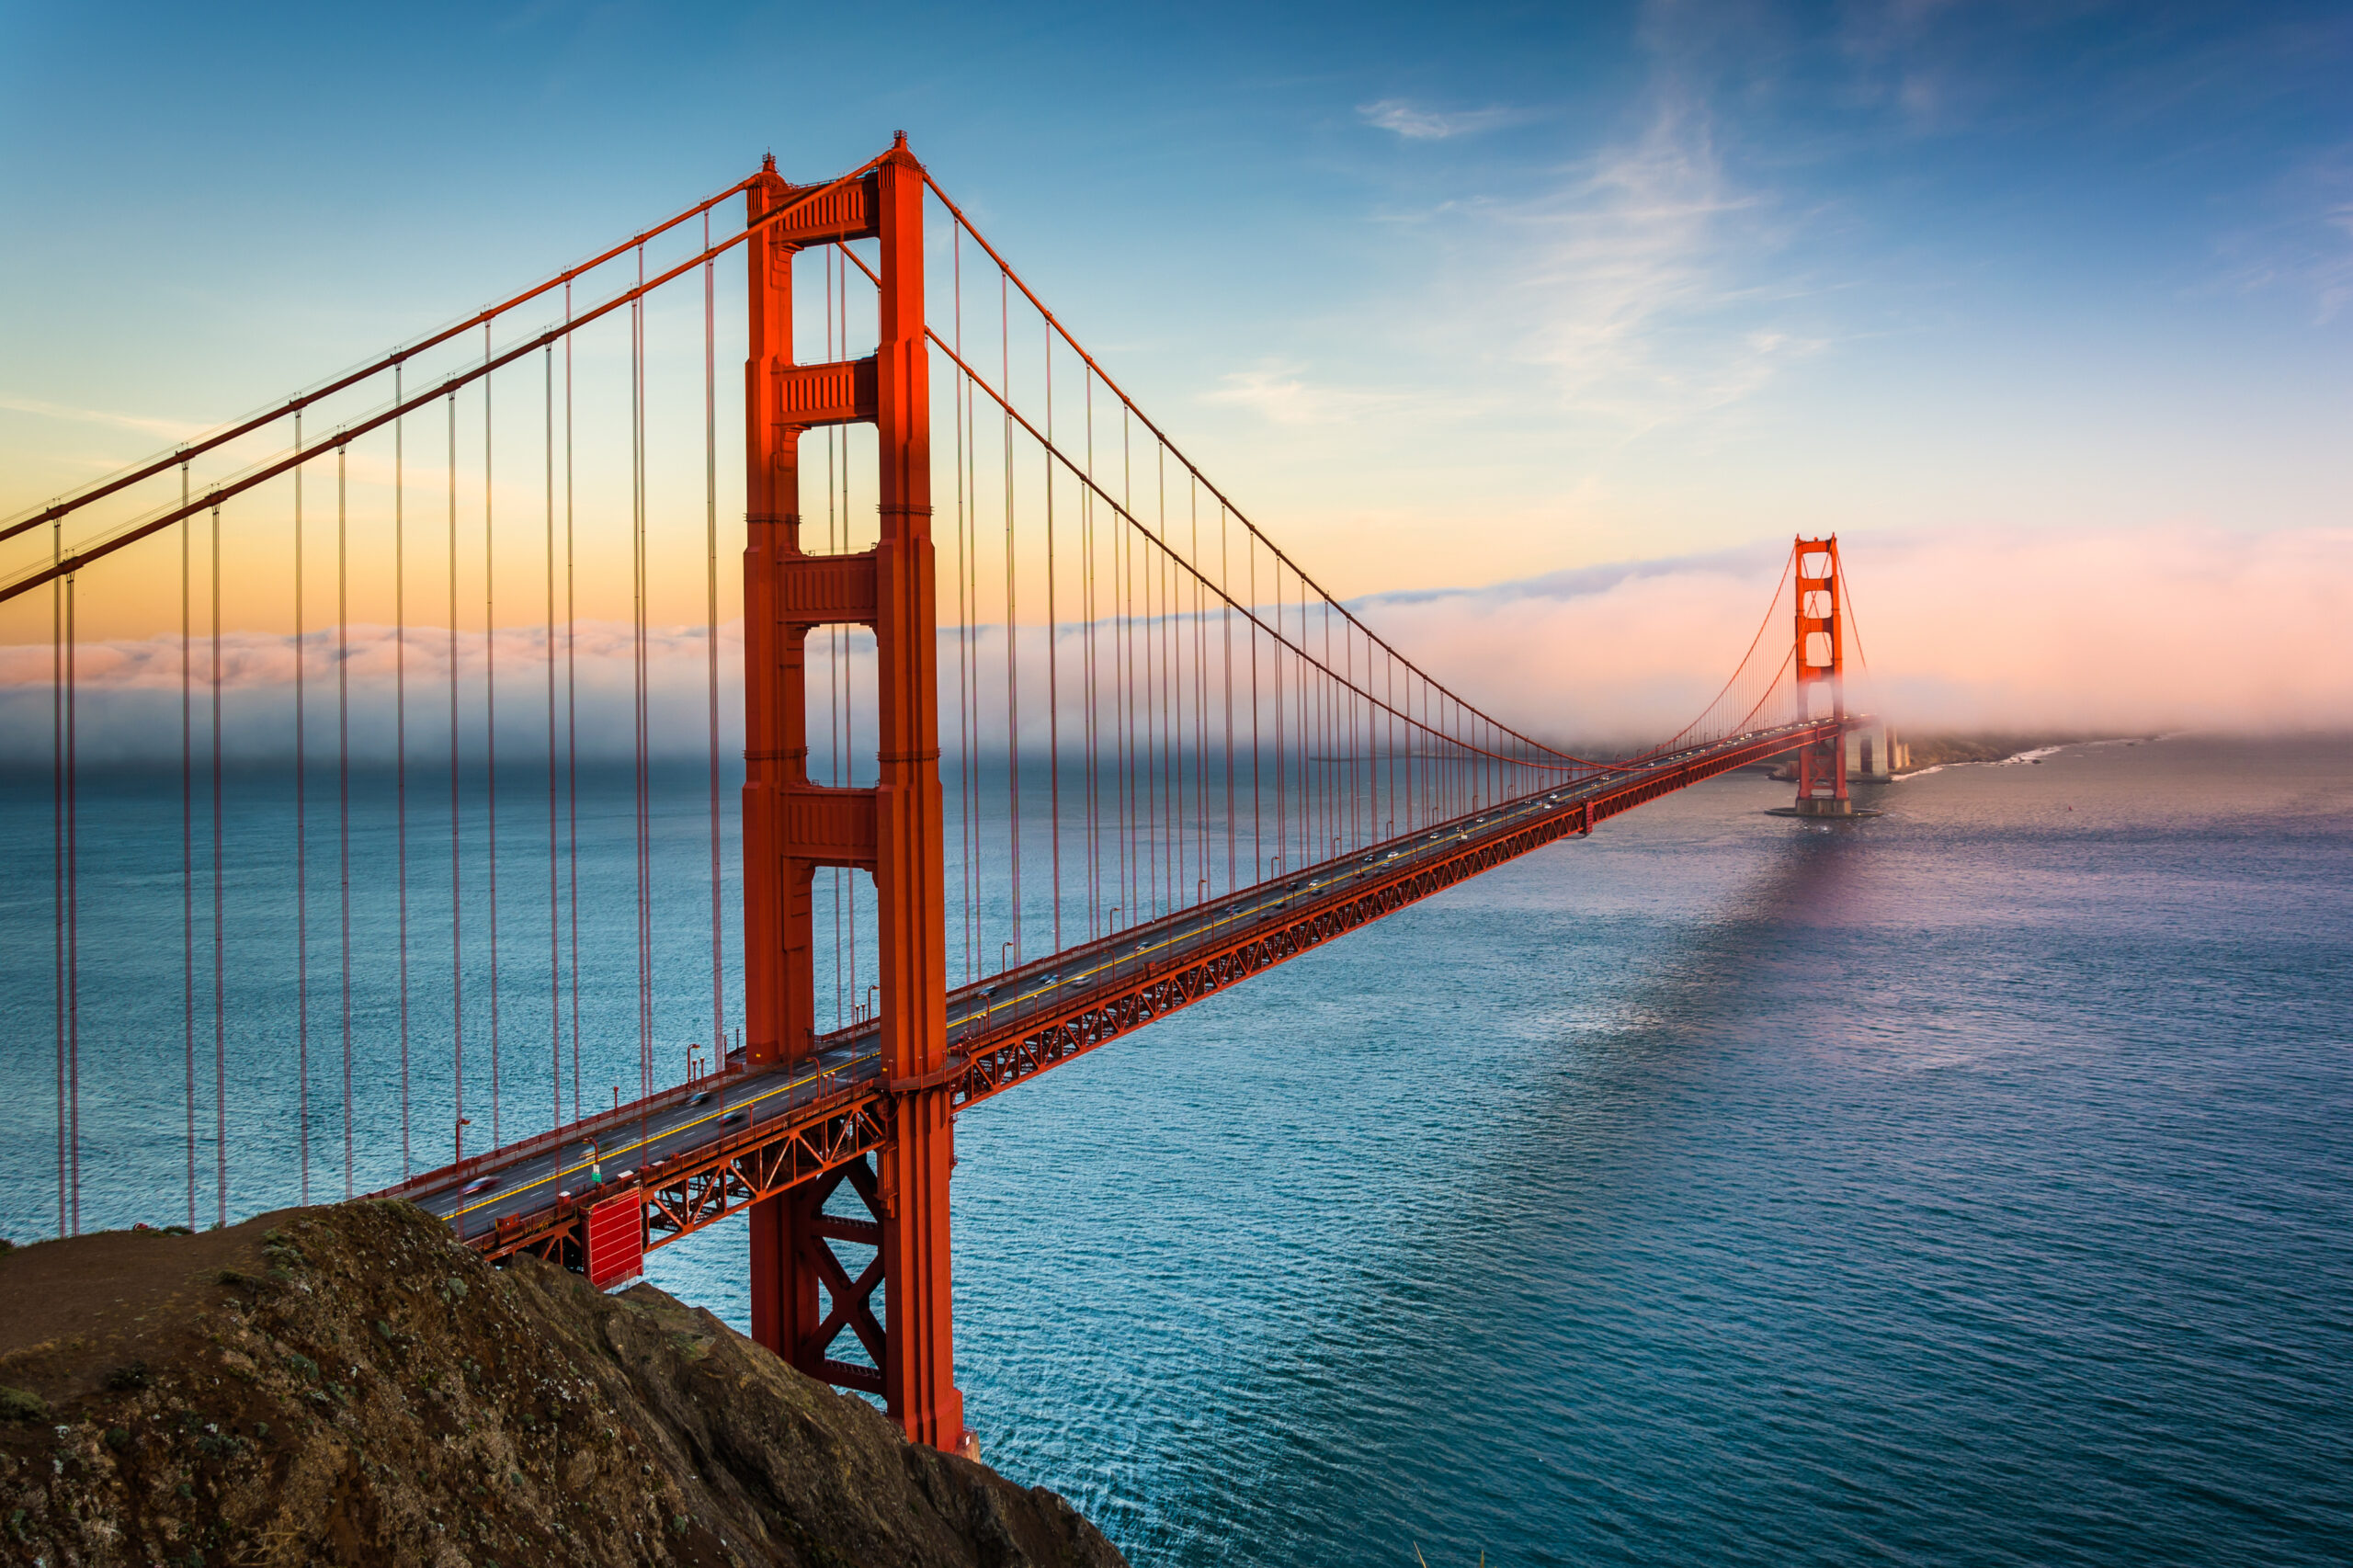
x=1445 y=296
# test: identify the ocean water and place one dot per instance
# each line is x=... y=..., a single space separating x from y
x=1969 y=1185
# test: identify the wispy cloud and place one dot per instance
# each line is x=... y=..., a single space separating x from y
x=1642 y=283
x=1630 y=289
x=1416 y=123
x=2308 y=252
x=168 y=429
x=1282 y=395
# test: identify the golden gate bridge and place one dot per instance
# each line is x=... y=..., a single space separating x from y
x=1217 y=763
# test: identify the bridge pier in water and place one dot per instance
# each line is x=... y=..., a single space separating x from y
x=1821 y=677
x=895 y=831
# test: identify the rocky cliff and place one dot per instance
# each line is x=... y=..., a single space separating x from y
x=346 y=1385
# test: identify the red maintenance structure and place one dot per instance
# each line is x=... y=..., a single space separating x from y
x=1176 y=759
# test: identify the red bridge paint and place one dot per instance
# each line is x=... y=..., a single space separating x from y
x=1380 y=785
x=887 y=1131
x=616 y=1241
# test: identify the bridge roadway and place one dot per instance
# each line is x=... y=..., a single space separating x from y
x=702 y=1150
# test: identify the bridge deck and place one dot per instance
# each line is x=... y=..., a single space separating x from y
x=696 y=1152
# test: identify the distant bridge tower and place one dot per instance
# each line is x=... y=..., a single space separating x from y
x=1821 y=677
x=793 y=825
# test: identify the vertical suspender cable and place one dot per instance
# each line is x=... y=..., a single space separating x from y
x=399 y=733
x=220 y=970
x=72 y=927
x=1155 y=675
x=1087 y=691
x=1200 y=698
x=1282 y=730
x=1349 y=664
x=1144 y=822
x=1164 y=834
x=1303 y=749
x=1349 y=700
x=555 y=889
x=1156 y=669
x=834 y=746
x=1148 y=717
x=1326 y=704
x=849 y=677
x=457 y=928
x=644 y=778
x=571 y=717
x=1192 y=829
x=1311 y=751
x=1225 y=629
x=963 y=711
x=1389 y=741
x=965 y=809
x=1053 y=660
x=1200 y=694
x=1172 y=692
x=711 y=631
x=490 y=731
x=343 y=775
x=1302 y=736
x=1257 y=850
x=1183 y=828
x=1311 y=761
x=972 y=574
x=1143 y=791
x=1012 y=628
x=1123 y=675
x=1314 y=740
x=301 y=850
x=188 y=846
x=57 y=843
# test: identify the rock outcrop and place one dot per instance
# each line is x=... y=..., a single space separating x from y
x=347 y=1385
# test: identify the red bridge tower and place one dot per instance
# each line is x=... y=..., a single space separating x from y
x=793 y=825
x=1821 y=678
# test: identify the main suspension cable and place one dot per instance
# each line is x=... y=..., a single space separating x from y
x=25 y=581
x=391 y=361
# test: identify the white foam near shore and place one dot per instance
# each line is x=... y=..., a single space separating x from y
x=2037 y=755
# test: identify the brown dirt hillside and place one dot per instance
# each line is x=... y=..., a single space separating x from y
x=346 y=1385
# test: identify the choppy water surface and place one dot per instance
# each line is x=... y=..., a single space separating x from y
x=1967 y=1185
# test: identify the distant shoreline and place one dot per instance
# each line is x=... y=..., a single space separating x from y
x=1939 y=751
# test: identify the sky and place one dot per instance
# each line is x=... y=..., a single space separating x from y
x=2047 y=310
